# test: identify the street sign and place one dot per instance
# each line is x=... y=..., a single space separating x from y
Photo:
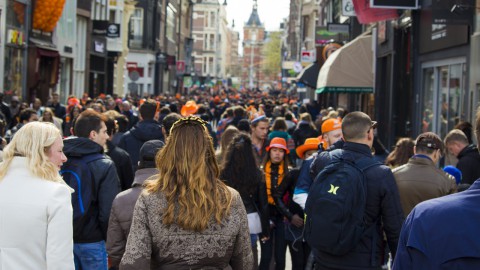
x=134 y=75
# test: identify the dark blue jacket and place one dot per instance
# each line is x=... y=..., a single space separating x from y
x=107 y=186
x=383 y=209
x=133 y=139
x=442 y=233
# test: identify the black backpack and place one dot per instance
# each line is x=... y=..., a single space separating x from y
x=335 y=207
x=78 y=176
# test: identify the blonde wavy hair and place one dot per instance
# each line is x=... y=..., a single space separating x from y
x=33 y=141
x=188 y=178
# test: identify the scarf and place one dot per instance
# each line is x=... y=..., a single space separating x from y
x=268 y=179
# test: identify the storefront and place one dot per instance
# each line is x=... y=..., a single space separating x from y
x=443 y=96
x=15 y=48
x=98 y=66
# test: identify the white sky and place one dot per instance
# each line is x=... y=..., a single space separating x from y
x=271 y=13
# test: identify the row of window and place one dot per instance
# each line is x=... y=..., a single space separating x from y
x=136 y=25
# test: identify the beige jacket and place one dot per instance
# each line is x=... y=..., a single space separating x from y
x=420 y=180
x=36 y=229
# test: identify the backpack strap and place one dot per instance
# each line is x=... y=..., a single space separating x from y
x=363 y=164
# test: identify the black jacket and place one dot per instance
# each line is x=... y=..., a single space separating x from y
x=383 y=209
x=107 y=187
x=469 y=164
x=133 y=140
x=258 y=202
x=123 y=163
x=303 y=132
x=287 y=208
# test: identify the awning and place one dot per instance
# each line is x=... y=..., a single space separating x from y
x=309 y=75
x=348 y=69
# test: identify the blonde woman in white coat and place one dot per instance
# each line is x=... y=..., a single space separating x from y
x=35 y=203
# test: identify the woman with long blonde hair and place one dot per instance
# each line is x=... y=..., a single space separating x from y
x=187 y=217
x=35 y=202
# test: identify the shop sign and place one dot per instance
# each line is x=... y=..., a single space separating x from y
x=347 y=8
x=435 y=37
x=113 y=30
x=99 y=46
x=338 y=28
x=15 y=37
x=180 y=67
x=106 y=29
x=187 y=81
x=395 y=4
x=309 y=56
x=452 y=11
x=366 y=14
x=41 y=35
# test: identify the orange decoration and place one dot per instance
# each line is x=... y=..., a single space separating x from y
x=46 y=14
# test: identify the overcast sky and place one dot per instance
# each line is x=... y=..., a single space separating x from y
x=271 y=13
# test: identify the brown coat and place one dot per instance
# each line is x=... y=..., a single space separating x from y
x=121 y=216
x=420 y=180
x=153 y=245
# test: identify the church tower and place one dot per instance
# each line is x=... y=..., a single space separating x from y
x=253 y=41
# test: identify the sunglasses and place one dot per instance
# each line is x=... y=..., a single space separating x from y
x=374 y=125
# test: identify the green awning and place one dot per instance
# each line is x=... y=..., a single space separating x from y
x=348 y=69
x=342 y=89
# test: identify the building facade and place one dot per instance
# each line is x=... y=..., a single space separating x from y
x=253 y=40
x=209 y=34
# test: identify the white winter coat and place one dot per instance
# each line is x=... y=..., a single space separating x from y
x=35 y=221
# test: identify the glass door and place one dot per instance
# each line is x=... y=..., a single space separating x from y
x=444 y=97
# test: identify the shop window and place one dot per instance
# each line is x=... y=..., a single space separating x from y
x=171 y=15
x=445 y=97
x=136 y=28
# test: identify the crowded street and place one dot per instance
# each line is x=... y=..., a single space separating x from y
x=259 y=134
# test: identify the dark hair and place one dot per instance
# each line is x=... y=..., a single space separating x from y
x=122 y=123
x=25 y=114
x=239 y=111
x=428 y=142
x=202 y=109
x=148 y=109
x=355 y=125
x=87 y=121
x=467 y=128
x=169 y=120
x=165 y=110
x=244 y=125
x=110 y=123
x=289 y=116
x=401 y=154
x=239 y=169
x=279 y=124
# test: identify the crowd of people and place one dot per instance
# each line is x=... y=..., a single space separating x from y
x=201 y=182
